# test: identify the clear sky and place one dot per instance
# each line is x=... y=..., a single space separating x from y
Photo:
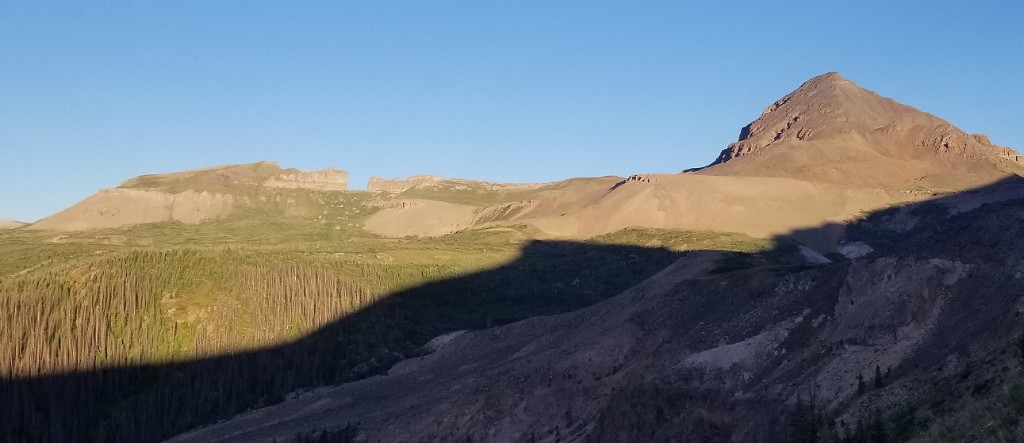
x=92 y=93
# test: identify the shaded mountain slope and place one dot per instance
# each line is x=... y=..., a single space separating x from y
x=101 y=348
x=720 y=347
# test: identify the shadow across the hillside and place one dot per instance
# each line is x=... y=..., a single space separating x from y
x=884 y=229
x=154 y=402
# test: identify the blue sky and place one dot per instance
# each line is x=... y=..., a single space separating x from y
x=92 y=93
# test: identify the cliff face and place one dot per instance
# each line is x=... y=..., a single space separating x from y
x=433 y=181
x=328 y=179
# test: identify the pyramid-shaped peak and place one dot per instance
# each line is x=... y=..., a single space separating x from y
x=834 y=93
x=828 y=77
x=831 y=129
x=829 y=83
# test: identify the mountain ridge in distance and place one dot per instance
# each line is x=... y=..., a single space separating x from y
x=826 y=151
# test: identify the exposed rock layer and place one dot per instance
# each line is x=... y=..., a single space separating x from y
x=399 y=184
x=328 y=179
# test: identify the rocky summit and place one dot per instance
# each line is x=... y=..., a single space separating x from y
x=829 y=129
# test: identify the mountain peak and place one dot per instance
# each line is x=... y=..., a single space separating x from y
x=831 y=79
x=831 y=76
x=830 y=129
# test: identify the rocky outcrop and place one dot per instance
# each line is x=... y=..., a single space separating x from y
x=399 y=184
x=328 y=179
x=433 y=181
x=889 y=300
x=637 y=178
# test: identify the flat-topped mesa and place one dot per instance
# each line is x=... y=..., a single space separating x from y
x=225 y=179
x=328 y=179
x=831 y=129
x=192 y=196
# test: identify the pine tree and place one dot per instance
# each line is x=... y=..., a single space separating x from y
x=878 y=433
x=878 y=377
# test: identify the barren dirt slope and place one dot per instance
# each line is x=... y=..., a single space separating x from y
x=757 y=206
x=111 y=208
x=11 y=224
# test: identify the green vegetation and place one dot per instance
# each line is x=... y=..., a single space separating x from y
x=995 y=416
x=140 y=333
x=687 y=240
x=992 y=411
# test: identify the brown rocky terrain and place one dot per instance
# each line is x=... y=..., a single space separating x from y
x=831 y=130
